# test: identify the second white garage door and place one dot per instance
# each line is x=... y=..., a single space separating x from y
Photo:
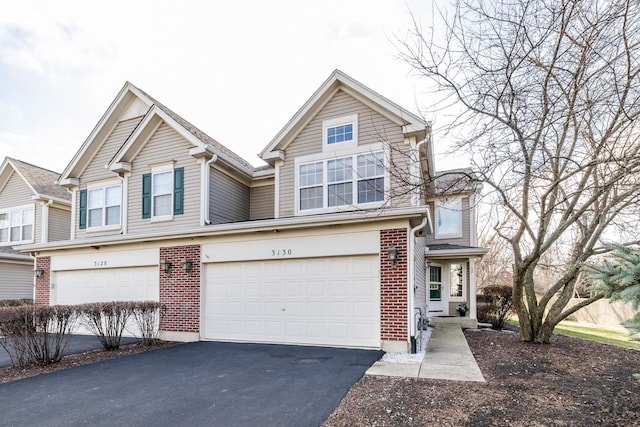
x=319 y=301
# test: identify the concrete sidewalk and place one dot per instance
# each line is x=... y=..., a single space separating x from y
x=447 y=357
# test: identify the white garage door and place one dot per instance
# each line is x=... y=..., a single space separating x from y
x=323 y=301
x=112 y=284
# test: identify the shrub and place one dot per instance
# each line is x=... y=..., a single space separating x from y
x=147 y=315
x=37 y=334
x=15 y=302
x=495 y=304
x=16 y=326
x=107 y=320
x=53 y=326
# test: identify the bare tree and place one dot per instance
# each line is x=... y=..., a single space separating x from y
x=547 y=97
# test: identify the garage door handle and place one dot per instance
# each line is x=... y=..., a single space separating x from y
x=284 y=309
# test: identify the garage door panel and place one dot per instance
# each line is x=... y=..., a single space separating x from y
x=313 y=301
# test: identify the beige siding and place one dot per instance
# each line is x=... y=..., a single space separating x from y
x=96 y=170
x=164 y=146
x=262 y=202
x=466 y=227
x=16 y=280
x=228 y=199
x=372 y=128
x=59 y=224
x=17 y=193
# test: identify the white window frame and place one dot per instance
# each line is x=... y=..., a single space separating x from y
x=334 y=123
x=355 y=179
x=463 y=297
x=444 y=205
x=21 y=209
x=169 y=168
x=103 y=186
x=442 y=294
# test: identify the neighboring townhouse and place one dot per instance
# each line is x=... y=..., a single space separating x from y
x=324 y=245
x=451 y=250
x=33 y=209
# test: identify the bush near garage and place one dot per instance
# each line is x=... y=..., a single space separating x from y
x=40 y=334
x=15 y=302
x=147 y=315
x=108 y=320
x=495 y=304
x=36 y=334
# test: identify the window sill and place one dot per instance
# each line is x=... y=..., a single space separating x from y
x=341 y=209
x=164 y=218
x=103 y=228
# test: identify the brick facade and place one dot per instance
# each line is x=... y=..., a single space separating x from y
x=43 y=289
x=393 y=286
x=179 y=290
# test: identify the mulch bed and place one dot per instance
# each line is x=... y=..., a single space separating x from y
x=566 y=383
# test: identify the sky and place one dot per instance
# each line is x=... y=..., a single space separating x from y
x=238 y=70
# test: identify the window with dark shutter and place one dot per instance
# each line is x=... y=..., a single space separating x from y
x=82 y=223
x=146 y=195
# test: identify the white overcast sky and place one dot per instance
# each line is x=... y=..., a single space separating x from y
x=238 y=70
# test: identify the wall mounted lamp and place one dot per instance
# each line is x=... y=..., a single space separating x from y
x=165 y=265
x=39 y=272
x=428 y=264
x=187 y=265
x=393 y=254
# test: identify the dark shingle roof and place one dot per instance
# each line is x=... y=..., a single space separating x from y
x=455 y=181
x=42 y=180
x=200 y=134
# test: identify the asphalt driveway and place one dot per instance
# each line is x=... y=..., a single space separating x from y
x=195 y=384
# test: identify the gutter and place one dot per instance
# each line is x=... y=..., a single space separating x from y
x=268 y=225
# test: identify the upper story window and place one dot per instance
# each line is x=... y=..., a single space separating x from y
x=16 y=225
x=163 y=193
x=356 y=180
x=104 y=206
x=448 y=218
x=340 y=133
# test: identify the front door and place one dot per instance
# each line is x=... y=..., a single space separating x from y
x=436 y=305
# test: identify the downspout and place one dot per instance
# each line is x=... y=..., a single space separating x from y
x=207 y=191
x=412 y=273
x=44 y=233
x=34 y=276
x=411 y=264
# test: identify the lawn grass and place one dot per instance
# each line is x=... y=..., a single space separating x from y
x=593 y=333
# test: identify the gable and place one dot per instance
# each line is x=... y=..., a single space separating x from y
x=97 y=168
x=410 y=124
x=372 y=126
x=15 y=193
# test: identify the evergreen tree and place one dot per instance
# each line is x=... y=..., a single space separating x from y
x=618 y=278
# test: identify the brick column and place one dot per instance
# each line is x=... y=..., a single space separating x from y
x=180 y=290
x=43 y=283
x=393 y=291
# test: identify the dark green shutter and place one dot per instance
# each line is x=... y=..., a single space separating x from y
x=83 y=209
x=178 y=191
x=146 y=195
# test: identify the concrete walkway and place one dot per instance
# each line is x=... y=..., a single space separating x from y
x=447 y=357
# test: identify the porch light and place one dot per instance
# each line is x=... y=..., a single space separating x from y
x=39 y=272
x=165 y=265
x=428 y=264
x=187 y=265
x=393 y=254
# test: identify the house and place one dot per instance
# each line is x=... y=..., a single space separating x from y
x=323 y=245
x=33 y=210
x=451 y=250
